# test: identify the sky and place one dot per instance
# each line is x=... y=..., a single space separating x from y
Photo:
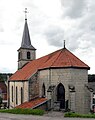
x=50 y=22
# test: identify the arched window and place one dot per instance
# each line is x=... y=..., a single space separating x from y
x=21 y=95
x=12 y=93
x=16 y=95
x=43 y=90
x=28 y=55
x=19 y=55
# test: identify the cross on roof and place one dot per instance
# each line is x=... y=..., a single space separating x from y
x=64 y=43
x=25 y=13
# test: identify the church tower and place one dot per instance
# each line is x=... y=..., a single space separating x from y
x=26 y=52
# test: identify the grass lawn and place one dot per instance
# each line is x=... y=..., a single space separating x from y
x=69 y=114
x=23 y=111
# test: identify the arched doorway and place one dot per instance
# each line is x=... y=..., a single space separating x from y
x=61 y=95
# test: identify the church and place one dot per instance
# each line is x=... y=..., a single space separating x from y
x=56 y=81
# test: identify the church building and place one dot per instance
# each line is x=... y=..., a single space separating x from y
x=56 y=81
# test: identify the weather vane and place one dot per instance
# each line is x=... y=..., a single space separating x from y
x=25 y=13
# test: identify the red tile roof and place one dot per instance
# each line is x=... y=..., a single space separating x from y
x=33 y=103
x=62 y=58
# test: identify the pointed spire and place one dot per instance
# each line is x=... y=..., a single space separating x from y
x=26 y=42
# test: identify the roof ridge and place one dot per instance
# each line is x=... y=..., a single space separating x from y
x=77 y=58
x=57 y=56
x=61 y=58
x=49 y=54
x=68 y=57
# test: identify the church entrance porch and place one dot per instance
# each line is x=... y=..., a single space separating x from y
x=61 y=95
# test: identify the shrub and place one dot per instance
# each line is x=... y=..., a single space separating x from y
x=24 y=111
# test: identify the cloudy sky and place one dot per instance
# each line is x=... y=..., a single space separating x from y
x=50 y=22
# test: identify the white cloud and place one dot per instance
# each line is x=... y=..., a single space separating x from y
x=74 y=8
x=50 y=22
x=54 y=36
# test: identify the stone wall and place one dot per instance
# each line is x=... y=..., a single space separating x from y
x=33 y=87
x=23 y=60
x=77 y=78
x=19 y=85
x=71 y=78
x=44 y=77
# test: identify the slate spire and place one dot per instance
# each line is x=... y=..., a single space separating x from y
x=26 y=52
x=26 y=42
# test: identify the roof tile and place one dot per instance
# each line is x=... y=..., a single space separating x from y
x=32 y=103
x=62 y=58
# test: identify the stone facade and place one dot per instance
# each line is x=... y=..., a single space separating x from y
x=33 y=87
x=30 y=90
x=15 y=98
x=78 y=99
x=22 y=57
x=77 y=96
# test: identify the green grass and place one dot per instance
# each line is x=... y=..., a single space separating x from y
x=23 y=111
x=76 y=115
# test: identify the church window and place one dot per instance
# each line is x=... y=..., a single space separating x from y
x=19 y=55
x=28 y=55
x=43 y=90
x=16 y=95
x=12 y=93
x=21 y=95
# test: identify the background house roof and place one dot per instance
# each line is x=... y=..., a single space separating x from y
x=62 y=58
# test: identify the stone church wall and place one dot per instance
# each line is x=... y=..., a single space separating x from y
x=77 y=78
x=19 y=85
x=33 y=87
x=61 y=76
x=23 y=60
x=52 y=77
x=44 y=78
